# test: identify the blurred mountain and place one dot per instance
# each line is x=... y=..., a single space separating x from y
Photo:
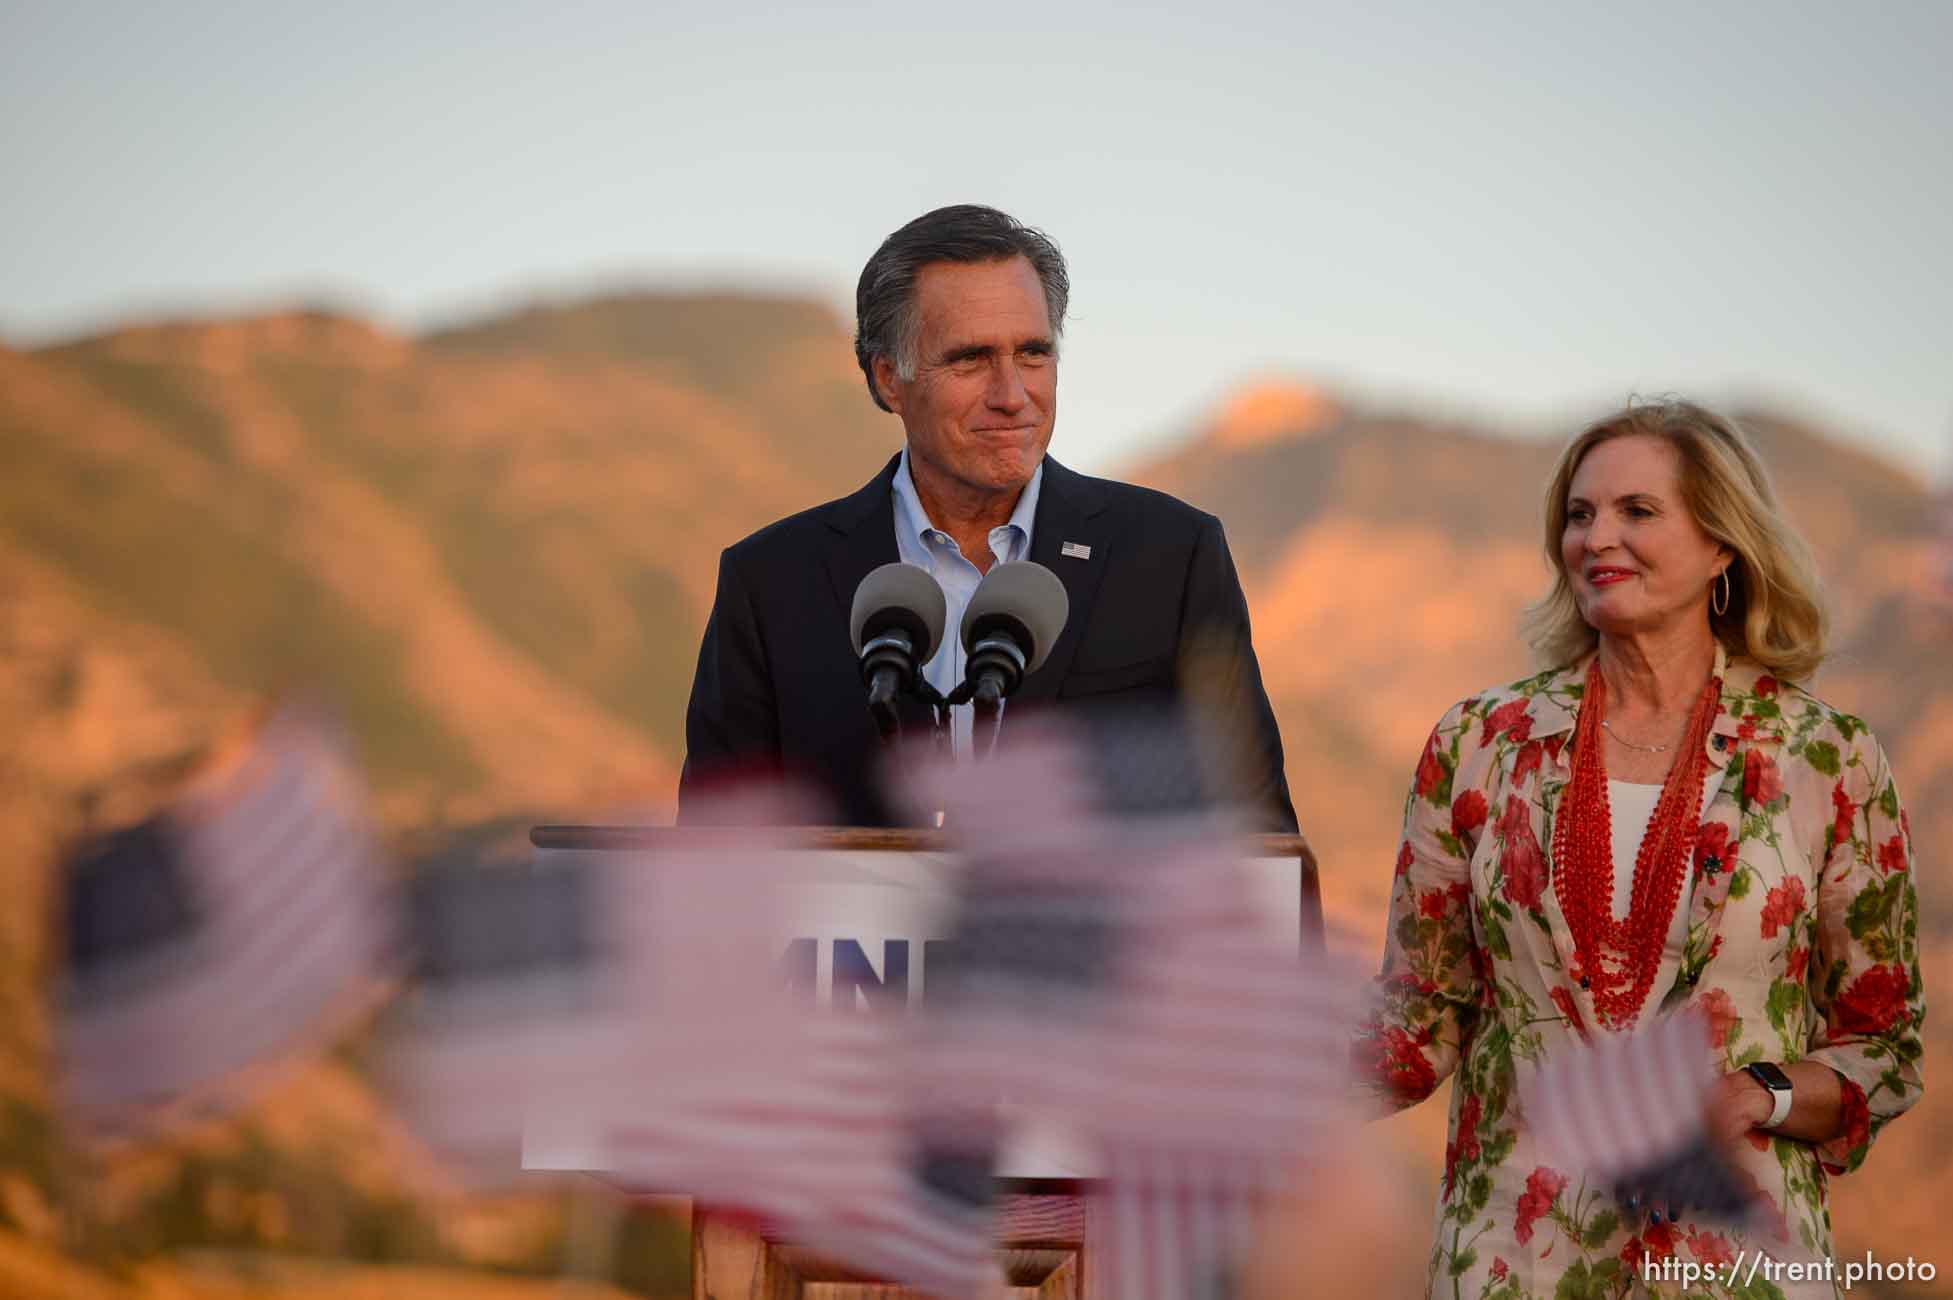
x=494 y=546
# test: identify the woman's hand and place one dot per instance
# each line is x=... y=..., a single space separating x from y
x=1706 y=1179
x=1738 y=1104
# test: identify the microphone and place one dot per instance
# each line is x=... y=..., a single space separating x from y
x=1013 y=620
x=896 y=624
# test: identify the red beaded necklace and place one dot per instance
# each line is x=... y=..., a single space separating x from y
x=1618 y=958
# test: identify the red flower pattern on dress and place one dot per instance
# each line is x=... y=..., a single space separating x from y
x=1762 y=782
x=1766 y=687
x=1555 y=743
x=1543 y=1187
x=1782 y=906
x=1795 y=964
x=1415 y=984
x=1465 y=1147
x=1528 y=761
x=1874 y=1002
x=1658 y=1239
x=1467 y=813
x=1404 y=857
x=1892 y=855
x=1524 y=864
x=1844 y=813
x=1746 y=729
x=1854 y=1119
x=1721 y=1010
x=1500 y=1268
x=1430 y=772
x=1483 y=975
x=1711 y=1248
x=1563 y=999
x=1510 y=717
x=1431 y=905
x=1711 y=849
x=1397 y=1061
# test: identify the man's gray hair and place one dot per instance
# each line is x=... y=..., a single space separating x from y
x=886 y=320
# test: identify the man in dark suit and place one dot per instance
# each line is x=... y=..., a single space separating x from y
x=959 y=314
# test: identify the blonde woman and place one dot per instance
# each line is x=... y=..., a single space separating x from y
x=1664 y=817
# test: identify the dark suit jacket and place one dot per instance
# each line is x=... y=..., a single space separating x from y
x=1156 y=613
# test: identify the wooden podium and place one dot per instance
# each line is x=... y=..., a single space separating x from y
x=1044 y=1236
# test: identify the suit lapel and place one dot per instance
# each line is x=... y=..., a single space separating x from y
x=862 y=536
x=1070 y=518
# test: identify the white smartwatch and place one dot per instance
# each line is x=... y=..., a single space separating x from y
x=1779 y=1085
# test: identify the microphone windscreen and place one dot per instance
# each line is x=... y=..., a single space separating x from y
x=1029 y=593
x=905 y=587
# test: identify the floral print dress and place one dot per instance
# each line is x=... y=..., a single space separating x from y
x=1802 y=945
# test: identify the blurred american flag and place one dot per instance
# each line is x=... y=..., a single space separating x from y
x=809 y=1119
x=513 y=999
x=1631 y=1110
x=1105 y=968
x=637 y=997
x=236 y=928
x=1111 y=968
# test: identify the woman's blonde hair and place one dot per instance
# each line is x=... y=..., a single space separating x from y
x=1775 y=613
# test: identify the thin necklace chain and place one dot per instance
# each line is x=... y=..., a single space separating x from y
x=1608 y=727
x=1646 y=749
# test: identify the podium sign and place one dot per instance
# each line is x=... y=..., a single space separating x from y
x=866 y=910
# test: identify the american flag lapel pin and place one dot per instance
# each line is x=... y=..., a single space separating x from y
x=1076 y=550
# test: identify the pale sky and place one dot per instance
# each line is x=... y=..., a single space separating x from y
x=1522 y=211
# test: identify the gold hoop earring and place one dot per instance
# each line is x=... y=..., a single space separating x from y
x=1721 y=607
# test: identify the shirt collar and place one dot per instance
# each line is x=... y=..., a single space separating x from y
x=914 y=521
x=910 y=517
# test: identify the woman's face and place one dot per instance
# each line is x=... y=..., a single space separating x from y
x=1636 y=557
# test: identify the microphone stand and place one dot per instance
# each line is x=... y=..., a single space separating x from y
x=939 y=718
x=989 y=705
x=939 y=739
x=888 y=716
x=985 y=694
x=881 y=706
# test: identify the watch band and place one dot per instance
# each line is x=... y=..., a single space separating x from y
x=1778 y=1084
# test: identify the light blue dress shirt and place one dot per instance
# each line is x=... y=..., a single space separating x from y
x=921 y=543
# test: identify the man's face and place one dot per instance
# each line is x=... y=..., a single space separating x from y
x=980 y=408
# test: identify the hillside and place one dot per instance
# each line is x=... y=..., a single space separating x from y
x=495 y=545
